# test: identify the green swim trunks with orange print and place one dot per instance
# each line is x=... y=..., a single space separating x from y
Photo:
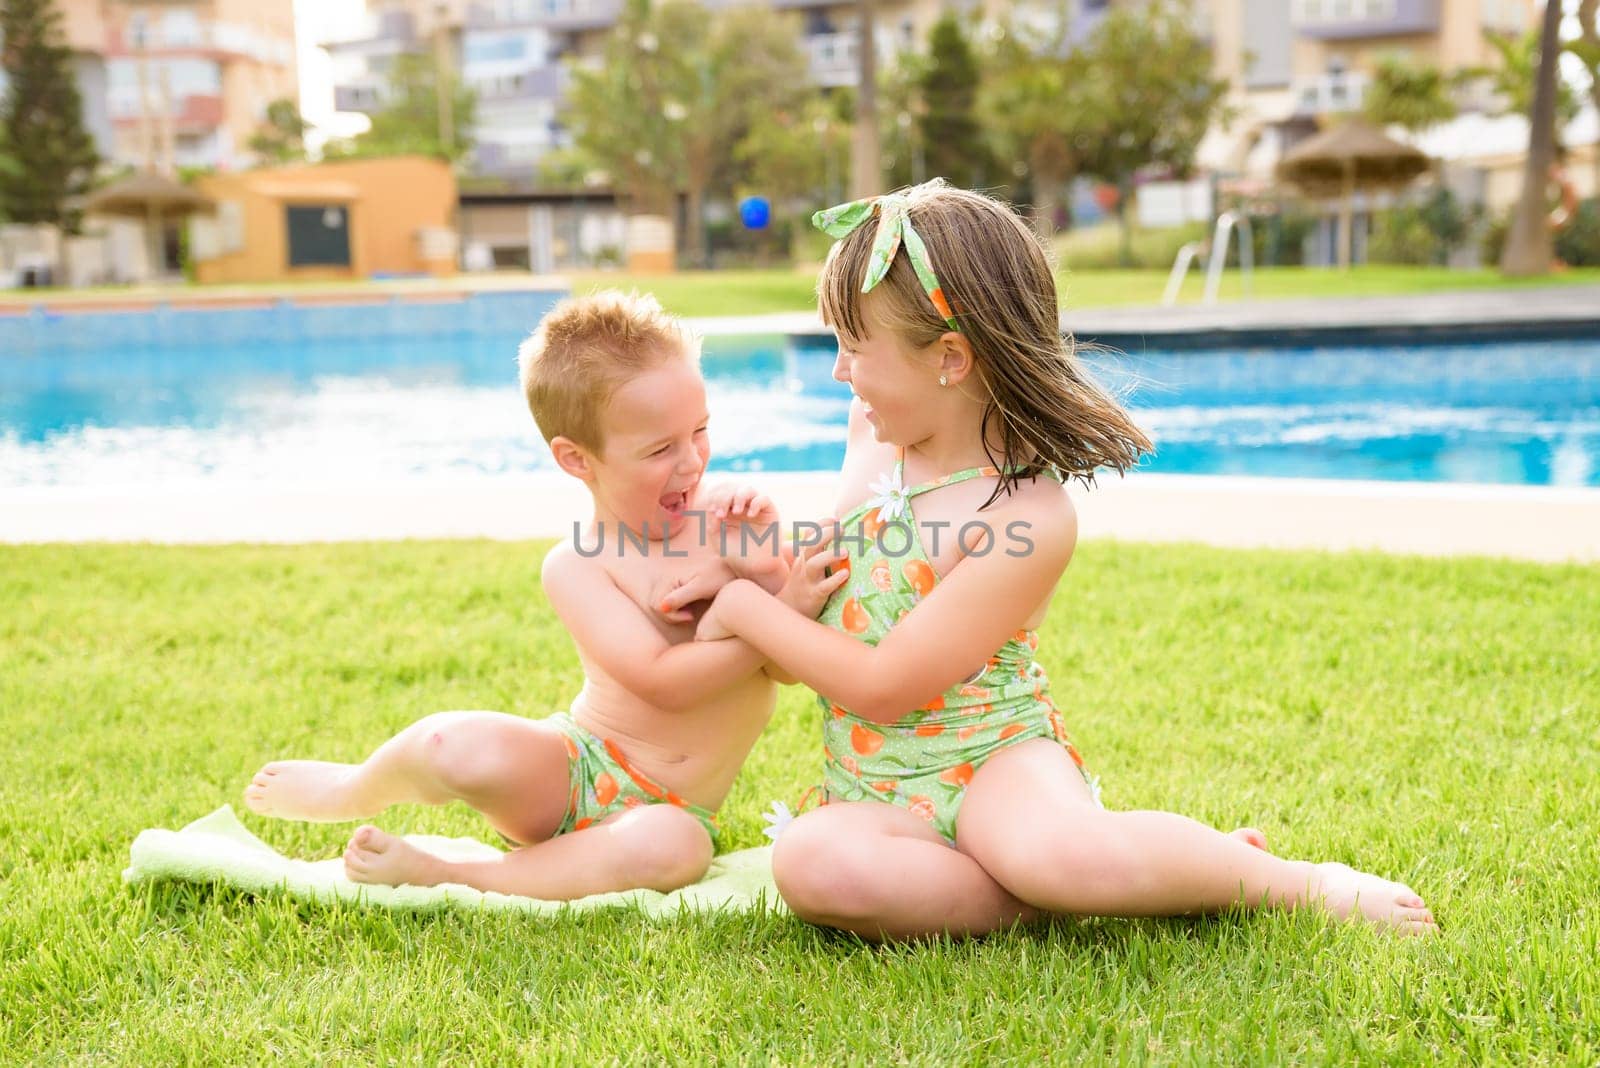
x=604 y=782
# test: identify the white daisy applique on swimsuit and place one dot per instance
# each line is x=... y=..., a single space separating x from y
x=889 y=495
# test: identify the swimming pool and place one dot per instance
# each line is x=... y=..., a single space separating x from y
x=379 y=394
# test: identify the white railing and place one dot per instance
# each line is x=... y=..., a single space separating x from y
x=1227 y=223
x=1216 y=258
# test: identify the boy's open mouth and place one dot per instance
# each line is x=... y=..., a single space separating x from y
x=674 y=504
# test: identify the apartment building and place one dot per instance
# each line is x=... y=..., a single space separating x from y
x=1292 y=63
x=513 y=53
x=180 y=82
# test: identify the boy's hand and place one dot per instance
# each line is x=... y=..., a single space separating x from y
x=673 y=597
x=817 y=573
x=710 y=628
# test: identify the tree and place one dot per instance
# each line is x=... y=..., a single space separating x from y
x=749 y=71
x=409 y=121
x=1029 y=101
x=953 y=143
x=1514 y=79
x=866 y=161
x=1405 y=94
x=675 y=93
x=281 y=138
x=1529 y=244
x=1151 y=99
x=789 y=156
x=42 y=118
x=622 y=111
x=1587 y=48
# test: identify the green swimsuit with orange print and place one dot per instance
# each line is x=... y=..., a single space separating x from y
x=924 y=760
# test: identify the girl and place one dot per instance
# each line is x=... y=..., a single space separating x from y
x=954 y=801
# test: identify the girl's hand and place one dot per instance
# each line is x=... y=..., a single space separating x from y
x=729 y=504
x=817 y=573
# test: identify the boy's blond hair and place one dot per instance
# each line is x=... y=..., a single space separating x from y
x=586 y=348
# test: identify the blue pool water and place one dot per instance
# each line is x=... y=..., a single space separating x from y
x=387 y=394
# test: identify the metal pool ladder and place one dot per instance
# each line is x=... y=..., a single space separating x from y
x=1216 y=257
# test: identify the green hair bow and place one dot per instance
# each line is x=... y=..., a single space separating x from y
x=894 y=229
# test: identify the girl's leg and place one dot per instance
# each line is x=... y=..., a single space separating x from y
x=658 y=847
x=513 y=770
x=882 y=873
x=1029 y=820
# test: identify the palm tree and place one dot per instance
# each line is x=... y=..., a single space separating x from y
x=1530 y=245
x=866 y=163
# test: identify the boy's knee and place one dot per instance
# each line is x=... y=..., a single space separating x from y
x=458 y=756
x=667 y=858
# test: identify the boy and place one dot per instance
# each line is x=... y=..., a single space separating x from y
x=620 y=792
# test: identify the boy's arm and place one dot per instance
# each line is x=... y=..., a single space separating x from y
x=615 y=633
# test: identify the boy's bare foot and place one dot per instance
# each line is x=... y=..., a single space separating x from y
x=1251 y=836
x=1352 y=895
x=313 y=790
x=374 y=856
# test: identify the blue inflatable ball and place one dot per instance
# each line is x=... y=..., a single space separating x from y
x=755 y=213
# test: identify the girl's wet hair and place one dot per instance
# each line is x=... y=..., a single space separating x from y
x=1043 y=409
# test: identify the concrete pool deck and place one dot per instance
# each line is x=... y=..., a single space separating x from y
x=1539 y=311
x=1434 y=519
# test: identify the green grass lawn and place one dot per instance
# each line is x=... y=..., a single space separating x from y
x=758 y=292
x=1431 y=720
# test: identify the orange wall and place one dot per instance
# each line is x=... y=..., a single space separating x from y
x=388 y=201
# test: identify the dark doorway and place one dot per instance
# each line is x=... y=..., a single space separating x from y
x=319 y=235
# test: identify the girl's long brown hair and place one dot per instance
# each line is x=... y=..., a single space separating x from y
x=1044 y=411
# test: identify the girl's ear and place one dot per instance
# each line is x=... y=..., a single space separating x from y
x=954 y=357
x=572 y=458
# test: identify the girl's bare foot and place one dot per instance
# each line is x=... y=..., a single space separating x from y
x=313 y=790
x=1251 y=836
x=376 y=857
x=1355 y=895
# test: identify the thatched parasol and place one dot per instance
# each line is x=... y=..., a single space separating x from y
x=1354 y=155
x=151 y=197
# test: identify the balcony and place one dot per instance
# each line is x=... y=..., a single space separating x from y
x=215 y=40
x=1330 y=94
x=382 y=33
x=195 y=113
x=1345 y=20
x=364 y=95
x=561 y=15
x=533 y=84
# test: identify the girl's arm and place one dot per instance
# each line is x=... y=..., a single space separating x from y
x=969 y=614
x=615 y=633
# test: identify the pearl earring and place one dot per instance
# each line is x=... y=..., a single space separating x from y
x=944 y=380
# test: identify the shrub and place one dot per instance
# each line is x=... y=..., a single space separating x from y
x=1422 y=232
x=1578 y=244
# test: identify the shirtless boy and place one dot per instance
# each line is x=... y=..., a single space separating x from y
x=620 y=792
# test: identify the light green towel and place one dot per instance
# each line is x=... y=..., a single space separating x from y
x=218 y=849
